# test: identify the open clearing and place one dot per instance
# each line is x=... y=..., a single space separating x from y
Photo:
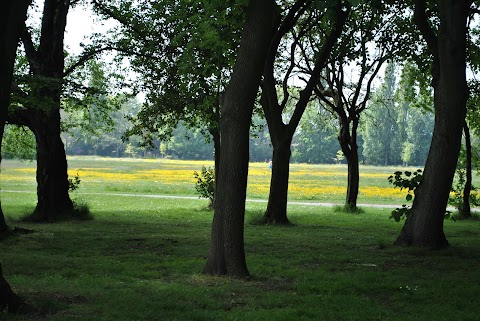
x=141 y=258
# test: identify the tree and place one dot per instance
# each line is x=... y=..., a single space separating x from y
x=12 y=15
x=282 y=133
x=368 y=42
x=185 y=54
x=415 y=116
x=41 y=112
x=227 y=253
x=381 y=124
x=446 y=44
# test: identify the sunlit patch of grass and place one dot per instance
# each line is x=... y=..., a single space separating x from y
x=324 y=183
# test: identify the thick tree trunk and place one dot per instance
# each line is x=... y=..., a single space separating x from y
x=424 y=225
x=227 y=254
x=465 y=210
x=52 y=177
x=278 y=197
x=12 y=15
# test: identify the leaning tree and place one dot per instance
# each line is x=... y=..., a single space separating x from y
x=446 y=37
x=227 y=253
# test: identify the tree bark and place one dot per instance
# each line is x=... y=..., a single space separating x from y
x=281 y=134
x=52 y=177
x=424 y=225
x=12 y=16
x=348 y=144
x=227 y=254
x=465 y=211
x=43 y=116
x=217 y=148
x=278 y=197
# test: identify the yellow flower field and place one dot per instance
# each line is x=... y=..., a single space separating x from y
x=159 y=176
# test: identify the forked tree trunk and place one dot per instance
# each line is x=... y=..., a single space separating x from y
x=227 y=253
x=278 y=197
x=424 y=225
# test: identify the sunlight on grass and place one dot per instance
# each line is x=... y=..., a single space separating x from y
x=324 y=183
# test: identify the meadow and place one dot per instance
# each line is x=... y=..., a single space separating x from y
x=316 y=183
x=141 y=257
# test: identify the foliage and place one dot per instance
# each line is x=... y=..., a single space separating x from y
x=184 y=51
x=456 y=195
x=18 y=142
x=205 y=184
x=409 y=181
x=74 y=183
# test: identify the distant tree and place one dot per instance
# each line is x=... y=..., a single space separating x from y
x=369 y=41
x=184 y=51
x=315 y=141
x=381 y=123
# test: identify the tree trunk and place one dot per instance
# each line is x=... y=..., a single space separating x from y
x=46 y=62
x=52 y=177
x=353 y=180
x=217 y=155
x=348 y=144
x=8 y=299
x=227 y=254
x=3 y=222
x=278 y=197
x=465 y=211
x=424 y=225
x=12 y=15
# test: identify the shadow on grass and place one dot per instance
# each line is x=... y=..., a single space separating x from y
x=348 y=209
x=80 y=212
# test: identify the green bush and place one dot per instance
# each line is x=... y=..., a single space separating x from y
x=205 y=184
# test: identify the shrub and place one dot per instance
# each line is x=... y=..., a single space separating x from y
x=205 y=184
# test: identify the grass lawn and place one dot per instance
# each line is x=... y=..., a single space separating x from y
x=141 y=258
x=316 y=183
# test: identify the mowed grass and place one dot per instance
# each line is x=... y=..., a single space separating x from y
x=141 y=258
x=316 y=183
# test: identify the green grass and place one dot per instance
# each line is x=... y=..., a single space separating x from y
x=141 y=258
x=316 y=183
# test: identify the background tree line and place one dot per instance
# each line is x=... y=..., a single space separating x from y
x=396 y=130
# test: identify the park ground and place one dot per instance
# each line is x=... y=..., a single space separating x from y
x=141 y=258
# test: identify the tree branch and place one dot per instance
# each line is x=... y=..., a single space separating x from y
x=421 y=20
x=30 y=50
